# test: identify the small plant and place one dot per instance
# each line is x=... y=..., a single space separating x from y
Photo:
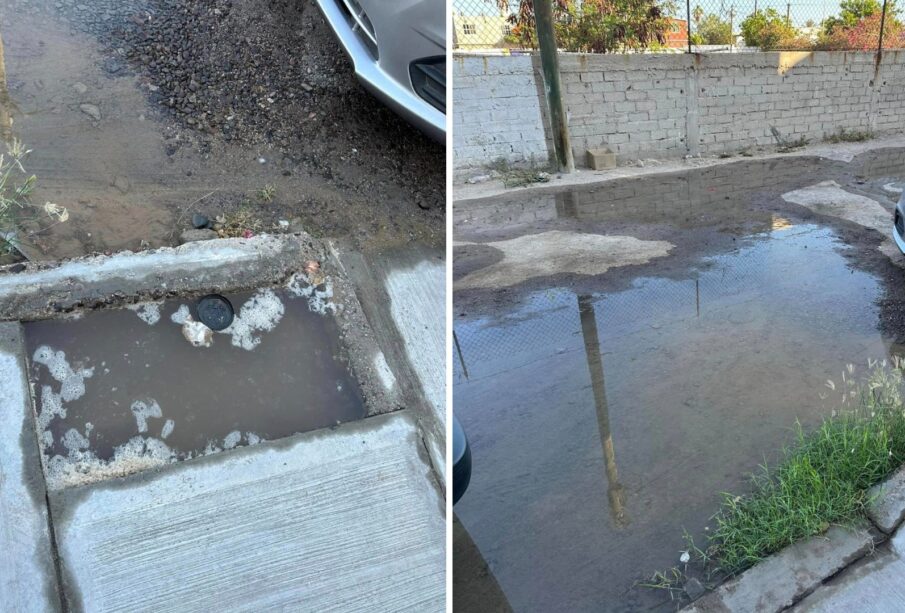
x=16 y=211
x=266 y=193
x=793 y=145
x=240 y=223
x=849 y=136
x=519 y=176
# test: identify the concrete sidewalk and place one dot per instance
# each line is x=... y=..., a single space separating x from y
x=347 y=518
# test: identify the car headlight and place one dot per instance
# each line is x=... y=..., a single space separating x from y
x=429 y=80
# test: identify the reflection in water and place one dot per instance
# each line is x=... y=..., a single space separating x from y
x=615 y=492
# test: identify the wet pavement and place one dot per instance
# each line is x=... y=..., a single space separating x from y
x=122 y=389
x=608 y=410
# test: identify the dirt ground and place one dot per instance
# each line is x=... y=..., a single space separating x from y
x=140 y=114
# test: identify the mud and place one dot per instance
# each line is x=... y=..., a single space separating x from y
x=608 y=412
x=132 y=173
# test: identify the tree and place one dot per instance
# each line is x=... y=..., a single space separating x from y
x=715 y=31
x=853 y=12
x=598 y=26
x=766 y=29
x=697 y=14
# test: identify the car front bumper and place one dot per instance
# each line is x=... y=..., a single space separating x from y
x=392 y=90
x=900 y=211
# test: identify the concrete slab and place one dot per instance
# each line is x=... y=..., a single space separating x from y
x=784 y=578
x=888 y=508
x=43 y=290
x=342 y=519
x=873 y=585
x=828 y=198
x=27 y=576
x=403 y=295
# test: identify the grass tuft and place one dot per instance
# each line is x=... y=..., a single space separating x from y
x=848 y=136
x=822 y=479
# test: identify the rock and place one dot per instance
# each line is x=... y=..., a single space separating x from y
x=122 y=184
x=17 y=268
x=91 y=110
x=478 y=179
x=694 y=589
x=200 y=221
x=80 y=87
x=284 y=224
x=203 y=234
x=887 y=509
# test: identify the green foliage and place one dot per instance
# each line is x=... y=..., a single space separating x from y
x=599 y=26
x=767 y=29
x=823 y=479
x=715 y=31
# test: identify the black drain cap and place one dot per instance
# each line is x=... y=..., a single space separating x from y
x=215 y=311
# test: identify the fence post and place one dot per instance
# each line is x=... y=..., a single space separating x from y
x=882 y=26
x=688 y=22
x=546 y=42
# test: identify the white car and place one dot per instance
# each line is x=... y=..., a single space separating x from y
x=399 y=53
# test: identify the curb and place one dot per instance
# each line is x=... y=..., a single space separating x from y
x=788 y=576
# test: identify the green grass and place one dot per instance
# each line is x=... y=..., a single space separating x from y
x=822 y=479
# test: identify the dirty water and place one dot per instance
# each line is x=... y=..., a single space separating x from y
x=606 y=413
x=122 y=390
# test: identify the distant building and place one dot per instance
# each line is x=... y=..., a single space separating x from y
x=480 y=31
x=677 y=33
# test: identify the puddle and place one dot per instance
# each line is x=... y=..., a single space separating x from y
x=606 y=413
x=123 y=390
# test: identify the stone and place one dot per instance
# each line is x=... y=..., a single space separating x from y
x=201 y=234
x=122 y=184
x=200 y=221
x=601 y=159
x=694 y=589
x=888 y=507
x=787 y=576
x=91 y=110
x=80 y=87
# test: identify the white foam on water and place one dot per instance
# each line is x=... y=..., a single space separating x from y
x=74 y=441
x=252 y=438
x=167 y=429
x=51 y=407
x=232 y=439
x=148 y=312
x=260 y=313
x=319 y=301
x=143 y=410
x=73 y=381
x=181 y=315
x=83 y=467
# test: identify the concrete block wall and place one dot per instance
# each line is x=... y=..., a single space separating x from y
x=667 y=106
x=497 y=111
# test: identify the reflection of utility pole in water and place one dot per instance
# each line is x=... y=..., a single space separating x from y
x=615 y=493
x=459 y=353
x=6 y=110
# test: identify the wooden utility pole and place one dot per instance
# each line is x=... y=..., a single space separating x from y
x=546 y=42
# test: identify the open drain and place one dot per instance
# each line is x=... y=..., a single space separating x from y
x=215 y=312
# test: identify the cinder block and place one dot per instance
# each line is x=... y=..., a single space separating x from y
x=601 y=159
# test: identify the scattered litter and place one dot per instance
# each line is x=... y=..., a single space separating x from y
x=142 y=410
x=215 y=312
x=197 y=333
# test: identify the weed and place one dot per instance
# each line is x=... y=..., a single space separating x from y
x=241 y=222
x=16 y=211
x=266 y=193
x=793 y=145
x=823 y=478
x=519 y=176
x=849 y=136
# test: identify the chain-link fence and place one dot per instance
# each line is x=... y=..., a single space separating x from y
x=674 y=26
